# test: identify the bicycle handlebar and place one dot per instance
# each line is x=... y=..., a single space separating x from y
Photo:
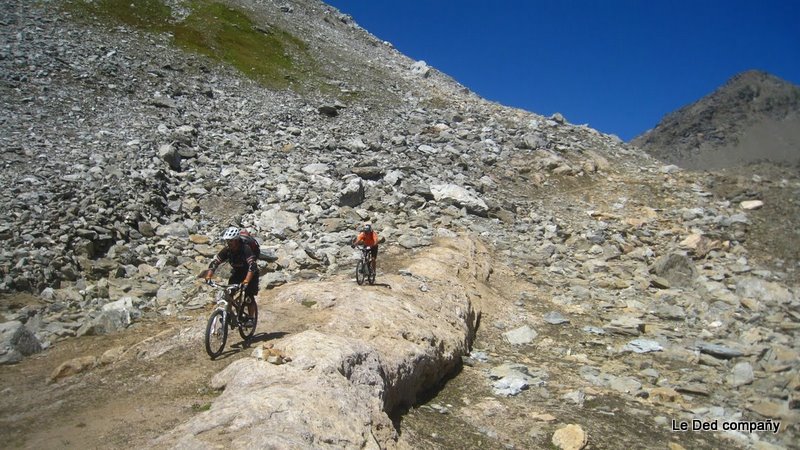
x=221 y=286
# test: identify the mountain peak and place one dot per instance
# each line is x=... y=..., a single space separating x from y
x=753 y=116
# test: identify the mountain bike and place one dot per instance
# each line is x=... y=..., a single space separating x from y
x=231 y=312
x=364 y=268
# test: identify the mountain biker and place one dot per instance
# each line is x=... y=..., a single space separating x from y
x=243 y=264
x=368 y=238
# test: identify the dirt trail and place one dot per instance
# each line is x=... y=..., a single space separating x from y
x=160 y=377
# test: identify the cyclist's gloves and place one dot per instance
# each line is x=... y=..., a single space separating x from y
x=243 y=286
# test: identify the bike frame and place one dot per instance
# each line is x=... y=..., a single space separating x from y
x=366 y=254
x=229 y=300
x=366 y=262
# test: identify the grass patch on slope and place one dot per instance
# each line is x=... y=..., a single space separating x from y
x=269 y=55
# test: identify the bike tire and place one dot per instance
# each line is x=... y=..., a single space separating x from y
x=246 y=332
x=371 y=274
x=360 y=272
x=216 y=334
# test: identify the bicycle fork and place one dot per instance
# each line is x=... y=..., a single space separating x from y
x=224 y=306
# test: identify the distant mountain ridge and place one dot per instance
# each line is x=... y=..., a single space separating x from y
x=753 y=117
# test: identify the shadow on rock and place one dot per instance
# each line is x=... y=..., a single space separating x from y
x=262 y=337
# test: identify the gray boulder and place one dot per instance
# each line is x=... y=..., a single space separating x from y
x=678 y=269
x=171 y=156
x=16 y=341
x=353 y=194
x=107 y=322
x=460 y=197
x=277 y=221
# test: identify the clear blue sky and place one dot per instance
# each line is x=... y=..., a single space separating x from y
x=617 y=65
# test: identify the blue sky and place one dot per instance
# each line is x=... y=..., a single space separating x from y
x=617 y=65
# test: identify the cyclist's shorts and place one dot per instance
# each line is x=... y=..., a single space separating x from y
x=238 y=276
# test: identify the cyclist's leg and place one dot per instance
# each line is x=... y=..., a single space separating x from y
x=237 y=276
x=252 y=291
x=373 y=257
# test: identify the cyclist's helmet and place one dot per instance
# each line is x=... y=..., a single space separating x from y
x=230 y=233
x=367 y=228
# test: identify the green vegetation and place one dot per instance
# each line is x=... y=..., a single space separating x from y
x=228 y=35
x=151 y=15
x=308 y=303
x=269 y=55
x=197 y=407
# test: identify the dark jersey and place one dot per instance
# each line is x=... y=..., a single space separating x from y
x=241 y=260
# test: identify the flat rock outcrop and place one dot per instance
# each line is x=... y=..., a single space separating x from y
x=379 y=347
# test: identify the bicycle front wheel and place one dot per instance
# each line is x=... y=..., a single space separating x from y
x=247 y=328
x=371 y=274
x=361 y=272
x=216 y=334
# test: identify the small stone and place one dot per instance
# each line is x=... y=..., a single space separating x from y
x=543 y=417
x=520 y=336
x=555 y=318
x=329 y=111
x=694 y=388
x=72 y=367
x=199 y=239
x=751 y=204
x=570 y=437
x=741 y=374
x=769 y=409
x=718 y=351
x=664 y=395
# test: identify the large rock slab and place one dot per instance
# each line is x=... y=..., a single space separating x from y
x=276 y=221
x=378 y=349
x=458 y=196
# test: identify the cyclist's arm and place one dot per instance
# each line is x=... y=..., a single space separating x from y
x=252 y=264
x=358 y=239
x=221 y=257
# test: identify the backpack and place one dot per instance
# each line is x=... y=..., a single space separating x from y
x=251 y=242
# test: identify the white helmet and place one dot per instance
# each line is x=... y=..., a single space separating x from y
x=230 y=233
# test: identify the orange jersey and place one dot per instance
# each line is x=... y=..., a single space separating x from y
x=368 y=239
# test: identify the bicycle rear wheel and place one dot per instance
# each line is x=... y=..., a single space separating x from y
x=360 y=272
x=247 y=329
x=216 y=334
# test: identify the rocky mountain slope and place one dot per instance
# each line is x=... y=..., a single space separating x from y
x=577 y=279
x=754 y=117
